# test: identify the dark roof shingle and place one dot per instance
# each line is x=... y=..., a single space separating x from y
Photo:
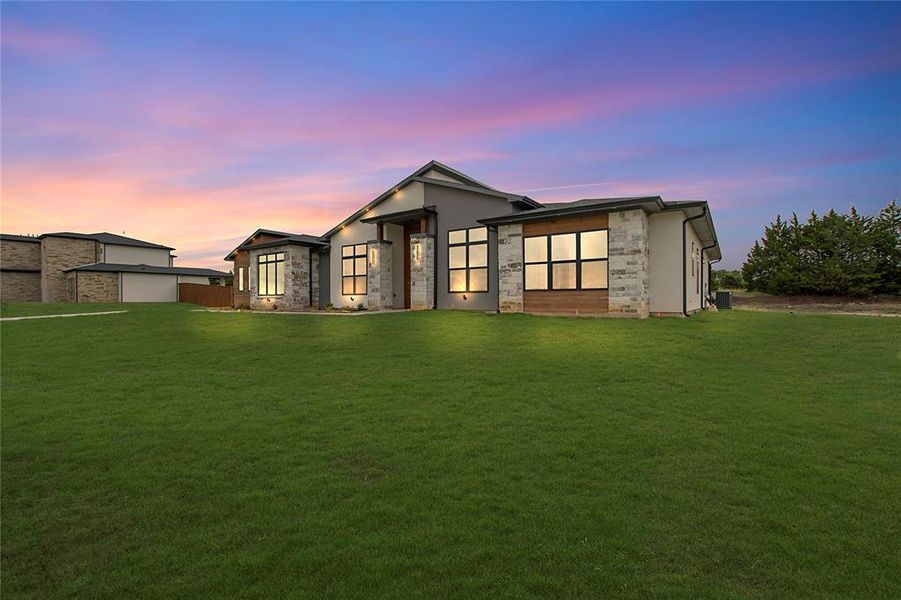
x=151 y=269
x=107 y=238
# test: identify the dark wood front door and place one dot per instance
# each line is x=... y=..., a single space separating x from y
x=409 y=228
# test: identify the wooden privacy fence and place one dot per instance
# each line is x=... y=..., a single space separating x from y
x=206 y=295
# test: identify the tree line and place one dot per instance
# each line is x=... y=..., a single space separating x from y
x=836 y=254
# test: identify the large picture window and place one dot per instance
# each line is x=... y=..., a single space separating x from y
x=467 y=260
x=566 y=261
x=271 y=274
x=353 y=269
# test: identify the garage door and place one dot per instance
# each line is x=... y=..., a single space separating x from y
x=143 y=287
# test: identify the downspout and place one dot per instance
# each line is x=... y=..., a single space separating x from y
x=704 y=249
x=684 y=284
x=435 y=276
x=710 y=266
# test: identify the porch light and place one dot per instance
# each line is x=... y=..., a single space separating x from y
x=417 y=253
x=373 y=258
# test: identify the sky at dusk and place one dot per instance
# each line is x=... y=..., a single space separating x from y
x=193 y=124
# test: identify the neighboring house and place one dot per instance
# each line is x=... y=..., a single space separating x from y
x=95 y=267
x=441 y=239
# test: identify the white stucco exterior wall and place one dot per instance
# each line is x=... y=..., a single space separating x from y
x=132 y=255
x=666 y=256
x=692 y=281
x=433 y=174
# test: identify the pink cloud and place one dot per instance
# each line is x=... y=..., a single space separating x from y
x=44 y=44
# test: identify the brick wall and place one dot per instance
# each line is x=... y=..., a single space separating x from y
x=20 y=255
x=59 y=253
x=94 y=287
x=18 y=286
x=242 y=261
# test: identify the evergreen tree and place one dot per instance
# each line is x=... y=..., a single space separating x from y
x=836 y=254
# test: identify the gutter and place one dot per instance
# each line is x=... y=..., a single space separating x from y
x=684 y=284
x=435 y=276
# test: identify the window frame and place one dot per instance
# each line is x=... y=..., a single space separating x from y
x=275 y=261
x=242 y=280
x=467 y=268
x=353 y=256
x=549 y=261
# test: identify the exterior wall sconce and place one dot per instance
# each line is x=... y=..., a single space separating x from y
x=417 y=253
x=373 y=258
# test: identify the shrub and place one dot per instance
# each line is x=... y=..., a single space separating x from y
x=728 y=280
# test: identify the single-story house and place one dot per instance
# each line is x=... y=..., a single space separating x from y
x=92 y=267
x=441 y=239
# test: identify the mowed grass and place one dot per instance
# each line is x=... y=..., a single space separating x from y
x=168 y=453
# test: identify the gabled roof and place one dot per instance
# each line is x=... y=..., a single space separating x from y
x=151 y=269
x=301 y=239
x=107 y=238
x=9 y=237
x=468 y=183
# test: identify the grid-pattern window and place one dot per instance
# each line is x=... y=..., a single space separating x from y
x=271 y=274
x=566 y=261
x=467 y=260
x=353 y=269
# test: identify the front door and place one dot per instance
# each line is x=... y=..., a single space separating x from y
x=409 y=228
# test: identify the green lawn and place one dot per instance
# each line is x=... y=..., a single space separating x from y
x=169 y=453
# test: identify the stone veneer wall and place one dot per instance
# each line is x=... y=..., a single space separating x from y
x=58 y=253
x=89 y=286
x=422 y=272
x=629 y=265
x=297 y=280
x=509 y=268
x=379 y=282
x=19 y=286
x=315 y=257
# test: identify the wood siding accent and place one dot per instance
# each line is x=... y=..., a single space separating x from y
x=205 y=295
x=588 y=302
x=565 y=225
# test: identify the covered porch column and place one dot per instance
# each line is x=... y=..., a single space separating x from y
x=422 y=271
x=379 y=282
x=421 y=262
